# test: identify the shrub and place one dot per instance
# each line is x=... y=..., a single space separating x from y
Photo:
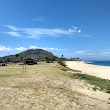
x=62 y=63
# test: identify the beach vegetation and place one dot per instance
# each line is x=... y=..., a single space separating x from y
x=50 y=59
x=100 y=84
x=95 y=88
x=62 y=63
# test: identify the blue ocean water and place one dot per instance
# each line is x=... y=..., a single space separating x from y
x=102 y=63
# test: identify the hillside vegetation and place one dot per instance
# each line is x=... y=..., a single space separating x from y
x=36 y=54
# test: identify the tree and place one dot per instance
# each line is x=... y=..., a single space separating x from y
x=17 y=55
x=62 y=56
x=1 y=60
x=47 y=59
x=50 y=59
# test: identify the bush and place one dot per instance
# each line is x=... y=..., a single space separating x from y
x=62 y=63
x=50 y=59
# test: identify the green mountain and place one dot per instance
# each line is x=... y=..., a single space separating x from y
x=36 y=54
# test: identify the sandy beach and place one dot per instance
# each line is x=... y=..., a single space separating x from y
x=94 y=70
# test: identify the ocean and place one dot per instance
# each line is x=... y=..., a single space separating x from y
x=102 y=63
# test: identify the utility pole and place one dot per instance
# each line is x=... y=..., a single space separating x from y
x=24 y=62
x=8 y=57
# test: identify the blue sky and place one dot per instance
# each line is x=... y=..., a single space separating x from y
x=74 y=28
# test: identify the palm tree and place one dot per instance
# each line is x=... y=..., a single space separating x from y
x=62 y=56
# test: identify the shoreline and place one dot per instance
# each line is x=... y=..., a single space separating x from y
x=90 y=69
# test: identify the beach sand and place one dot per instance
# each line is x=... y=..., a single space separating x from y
x=94 y=70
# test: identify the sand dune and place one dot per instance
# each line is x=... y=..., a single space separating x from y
x=94 y=70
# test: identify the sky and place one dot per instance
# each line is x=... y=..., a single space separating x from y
x=73 y=28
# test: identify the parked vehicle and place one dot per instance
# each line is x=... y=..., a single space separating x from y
x=3 y=64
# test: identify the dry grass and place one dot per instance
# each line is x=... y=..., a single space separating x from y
x=45 y=86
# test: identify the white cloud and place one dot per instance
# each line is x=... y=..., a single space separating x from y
x=33 y=47
x=79 y=31
x=46 y=32
x=40 y=19
x=12 y=33
x=93 y=52
x=75 y=27
x=85 y=52
x=40 y=32
x=106 y=52
x=11 y=27
x=56 y=49
x=85 y=35
x=3 y=48
x=74 y=30
x=71 y=30
x=21 y=48
x=45 y=48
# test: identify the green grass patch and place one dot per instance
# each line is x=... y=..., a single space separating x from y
x=102 y=84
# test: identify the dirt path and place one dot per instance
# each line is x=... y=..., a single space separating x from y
x=47 y=87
